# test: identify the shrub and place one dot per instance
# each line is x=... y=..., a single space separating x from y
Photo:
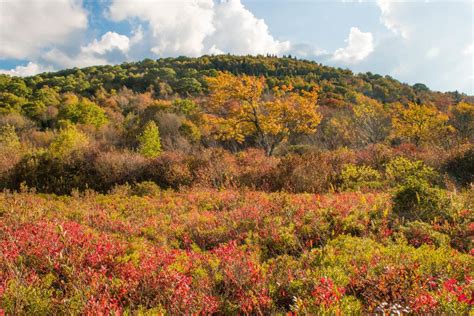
x=400 y=169
x=354 y=177
x=10 y=152
x=214 y=167
x=461 y=167
x=419 y=233
x=117 y=167
x=170 y=170
x=255 y=168
x=49 y=174
x=416 y=200
x=145 y=188
x=308 y=173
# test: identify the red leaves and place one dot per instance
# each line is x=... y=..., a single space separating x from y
x=326 y=293
x=228 y=252
x=243 y=280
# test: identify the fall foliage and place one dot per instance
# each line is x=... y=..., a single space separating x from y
x=233 y=185
x=239 y=108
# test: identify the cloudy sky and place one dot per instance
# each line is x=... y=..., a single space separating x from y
x=414 y=41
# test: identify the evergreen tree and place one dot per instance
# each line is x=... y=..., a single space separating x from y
x=149 y=141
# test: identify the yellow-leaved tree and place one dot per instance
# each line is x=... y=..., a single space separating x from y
x=420 y=124
x=238 y=107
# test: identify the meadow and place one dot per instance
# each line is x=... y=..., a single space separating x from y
x=142 y=250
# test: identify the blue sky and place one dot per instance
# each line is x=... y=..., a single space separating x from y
x=414 y=41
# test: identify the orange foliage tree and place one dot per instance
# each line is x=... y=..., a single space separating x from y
x=420 y=124
x=238 y=107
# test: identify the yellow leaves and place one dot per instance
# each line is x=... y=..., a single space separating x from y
x=237 y=108
x=420 y=123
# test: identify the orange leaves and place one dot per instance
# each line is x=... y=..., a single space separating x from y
x=238 y=108
x=420 y=123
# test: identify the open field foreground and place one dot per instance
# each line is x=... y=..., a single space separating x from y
x=230 y=252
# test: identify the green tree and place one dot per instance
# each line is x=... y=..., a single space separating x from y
x=82 y=111
x=149 y=141
x=68 y=140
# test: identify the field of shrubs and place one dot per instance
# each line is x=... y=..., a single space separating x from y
x=143 y=250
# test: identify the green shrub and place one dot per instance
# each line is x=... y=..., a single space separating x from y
x=354 y=177
x=416 y=200
x=400 y=169
x=68 y=140
x=145 y=188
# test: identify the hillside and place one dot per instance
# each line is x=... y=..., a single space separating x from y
x=233 y=185
x=185 y=76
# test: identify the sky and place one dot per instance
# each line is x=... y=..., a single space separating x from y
x=430 y=42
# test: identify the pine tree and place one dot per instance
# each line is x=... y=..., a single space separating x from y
x=149 y=141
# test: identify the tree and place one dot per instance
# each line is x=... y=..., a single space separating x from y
x=419 y=123
x=237 y=108
x=149 y=141
x=463 y=120
x=68 y=140
x=370 y=119
x=82 y=111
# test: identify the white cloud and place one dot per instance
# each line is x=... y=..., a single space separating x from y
x=469 y=50
x=63 y=60
x=177 y=27
x=238 y=31
x=359 y=46
x=107 y=43
x=98 y=52
x=196 y=27
x=389 y=18
x=30 y=69
x=429 y=47
x=433 y=52
x=28 y=26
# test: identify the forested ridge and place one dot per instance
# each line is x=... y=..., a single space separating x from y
x=185 y=76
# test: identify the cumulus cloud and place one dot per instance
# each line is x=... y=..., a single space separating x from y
x=196 y=27
x=388 y=17
x=107 y=43
x=359 y=46
x=30 y=69
x=408 y=51
x=97 y=52
x=177 y=27
x=28 y=26
x=238 y=31
x=63 y=60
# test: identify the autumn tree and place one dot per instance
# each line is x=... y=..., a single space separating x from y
x=463 y=120
x=420 y=123
x=371 y=121
x=149 y=141
x=238 y=108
